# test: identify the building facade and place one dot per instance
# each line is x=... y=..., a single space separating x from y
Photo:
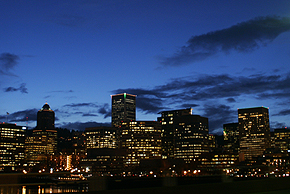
x=184 y=135
x=141 y=140
x=103 y=154
x=282 y=139
x=42 y=144
x=123 y=108
x=231 y=137
x=254 y=131
x=12 y=142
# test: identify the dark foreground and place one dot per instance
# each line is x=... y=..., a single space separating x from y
x=261 y=186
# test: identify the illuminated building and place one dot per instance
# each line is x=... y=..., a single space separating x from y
x=184 y=135
x=123 y=108
x=101 y=137
x=254 y=131
x=169 y=132
x=12 y=142
x=217 y=161
x=282 y=139
x=43 y=143
x=231 y=137
x=211 y=142
x=141 y=140
x=103 y=155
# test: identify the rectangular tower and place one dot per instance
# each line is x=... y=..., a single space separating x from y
x=254 y=131
x=123 y=108
x=184 y=136
x=141 y=140
x=12 y=142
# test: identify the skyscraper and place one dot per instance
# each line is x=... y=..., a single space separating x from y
x=123 y=108
x=184 y=135
x=43 y=143
x=168 y=130
x=12 y=141
x=254 y=131
x=141 y=140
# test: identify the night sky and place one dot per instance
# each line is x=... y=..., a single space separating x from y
x=213 y=55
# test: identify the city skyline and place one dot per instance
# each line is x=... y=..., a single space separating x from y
x=212 y=56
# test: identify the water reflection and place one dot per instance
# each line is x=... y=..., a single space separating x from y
x=43 y=189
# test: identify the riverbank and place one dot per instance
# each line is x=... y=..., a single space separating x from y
x=262 y=186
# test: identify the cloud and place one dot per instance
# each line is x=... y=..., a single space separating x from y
x=22 y=88
x=82 y=126
x=201 y=91
x=105 y=110
x=21 y=116
x=186 y=105
x=78 y=105
x=86 y=109
x=276 y=125
x=284 y=112
x=218 y=115
x=231 y=100
x=7 y=62
x=242 y=37
x=89 y=115
x=62 y=91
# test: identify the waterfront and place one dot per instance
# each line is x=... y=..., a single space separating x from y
x=44 y=189
x=198 y=184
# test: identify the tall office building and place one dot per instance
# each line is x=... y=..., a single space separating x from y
x=254 y=131
x=282 y=139
x=12 y=141
x=103 y=155
x=231 y=137
x=141 y=140
x=43 y=143
x=123 y=108
x=184 y=135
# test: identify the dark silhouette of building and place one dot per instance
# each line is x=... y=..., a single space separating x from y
x=45 y=117
x=123 y=108
x=254 y=131
x=231 y=137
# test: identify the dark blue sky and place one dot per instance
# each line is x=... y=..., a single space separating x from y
x=213 y=56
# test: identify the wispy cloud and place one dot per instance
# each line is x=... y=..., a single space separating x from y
x=86 y=109
x=243 y=37
x=22 y=88
x=21 y=116
x=283 y=113
x=62 y=91
x=105 y=110
x=7 y=62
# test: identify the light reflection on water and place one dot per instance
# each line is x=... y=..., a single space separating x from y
x=43 y=189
